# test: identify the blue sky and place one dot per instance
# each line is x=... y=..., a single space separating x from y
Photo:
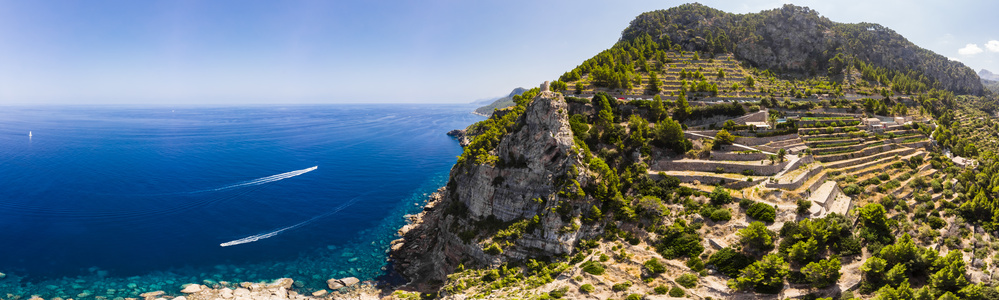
x=252 y=52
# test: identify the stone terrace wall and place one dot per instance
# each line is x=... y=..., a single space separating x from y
x=797 y=181
x=749 y=141
x=733 y=156
x=765 y=169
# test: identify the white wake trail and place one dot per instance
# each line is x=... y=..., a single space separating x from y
x=257 y=237
x=260 y=181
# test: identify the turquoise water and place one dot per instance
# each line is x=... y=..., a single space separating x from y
x=115 y=202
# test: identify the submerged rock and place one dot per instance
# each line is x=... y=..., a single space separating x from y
x=2 y=275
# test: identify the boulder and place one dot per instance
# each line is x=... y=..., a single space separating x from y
x=349 y=281
x=286 y=283
x=152 y=294
x=180 y=298
x=226 y=293
x=319 y=293
x=334 y=284
x=191 y=288
x=2 y=275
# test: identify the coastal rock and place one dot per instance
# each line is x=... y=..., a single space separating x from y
x=538 y=149
x=285 y=283
x=334 y=284
x=151 y=295
x=349 y=281
x=180 y=298
x=191 y=289
x=226 y=293
x=2 y=275
x=319 y=293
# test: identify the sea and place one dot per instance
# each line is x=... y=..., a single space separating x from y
x=114 y=202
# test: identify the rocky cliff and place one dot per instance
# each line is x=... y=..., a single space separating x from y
x=537 y=160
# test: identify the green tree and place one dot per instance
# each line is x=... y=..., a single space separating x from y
x=804 y=251
x=723 y=138
x=874 y=224
x=720 y=196
x=721 y=73
x=903 y=292
x=750 y=82
x=764 y=276
x=823 y=273
x=669 y=134
x=756 y=236
x=781 y=154
x=658 y=109
x=951 y=277
x=579 y=87
x=683 y=109
x=874 y=269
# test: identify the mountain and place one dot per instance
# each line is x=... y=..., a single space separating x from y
x=789 y=41
x=985 y=74
x=500 y=103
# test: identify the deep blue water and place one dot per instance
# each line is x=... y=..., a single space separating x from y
x=102 y=197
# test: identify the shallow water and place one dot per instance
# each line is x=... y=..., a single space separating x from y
x=98 y=198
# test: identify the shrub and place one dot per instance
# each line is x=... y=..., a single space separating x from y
x=593 y=267
x=621 y=286
x=687 y=280
x=729 y=261
x=494 y=249
x=676 y=292
x=655 y=266
x=634 y=297
x=804 y=206
x=762 y=211
x=587 y=288
x=852 y=189
x=722 y=214
x=661 y=290
x=720 y=196
x=559 y=293
x=695 y=264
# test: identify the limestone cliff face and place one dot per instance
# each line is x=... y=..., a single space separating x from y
x=536 y=157
x=532 y=157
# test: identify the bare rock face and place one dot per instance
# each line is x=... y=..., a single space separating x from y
x=534 y=158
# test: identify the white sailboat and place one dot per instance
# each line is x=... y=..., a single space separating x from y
x=29 y=133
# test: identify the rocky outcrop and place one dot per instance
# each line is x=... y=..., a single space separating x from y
x=537 y=158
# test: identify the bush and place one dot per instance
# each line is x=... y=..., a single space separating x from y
x=762 y=211
x=634 y=297
x=593 y=267
x=722 y=214
x=494 y=249
x=852 y=189
x=729 y=261
x=559 y=293
x=621 y=286
x=687 y=280
x=720 y=196
x=661 y=290
x=655 y=266
x=676 y=292
x=695 y=264
x=587 y=288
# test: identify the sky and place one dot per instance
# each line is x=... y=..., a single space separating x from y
x=342 y=51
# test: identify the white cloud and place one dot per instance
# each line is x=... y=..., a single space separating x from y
x=992 y=45
x=970 y=49
x=953 y=59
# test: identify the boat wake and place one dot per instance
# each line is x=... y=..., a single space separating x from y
x=260 y=181
x=257 y=237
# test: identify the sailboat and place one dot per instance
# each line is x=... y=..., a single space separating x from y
x=29 y=133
